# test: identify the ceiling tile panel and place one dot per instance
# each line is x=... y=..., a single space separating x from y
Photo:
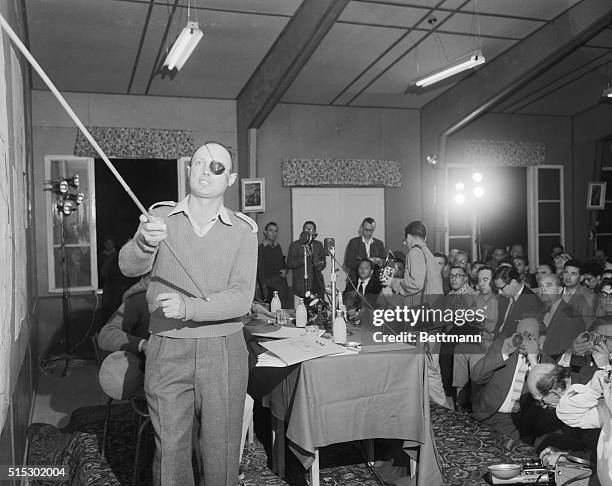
x=389 y=15
x=572 y=98
x=394 y=53
x=603 y=39
x=576 y=65
x=539 y=9
x=67 y=39
x=232 y=47
x=344 y=53
x=486 y=25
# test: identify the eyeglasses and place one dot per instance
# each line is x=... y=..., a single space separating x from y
x=605 y=295
x=503 y=286
x=457 y=275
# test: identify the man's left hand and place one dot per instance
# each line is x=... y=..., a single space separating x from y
x=172 y=304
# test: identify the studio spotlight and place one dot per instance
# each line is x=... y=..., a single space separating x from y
x=63 y=187
x=432 y=160
x=478 y=191
x=66 y=207
x=477 y=177
x=459 y=198
x=459 y=186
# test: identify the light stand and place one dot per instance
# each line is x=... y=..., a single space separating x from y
x=66 y=203
x=305 y=248
x=331 y=248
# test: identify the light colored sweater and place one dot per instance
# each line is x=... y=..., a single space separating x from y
x=223 y=262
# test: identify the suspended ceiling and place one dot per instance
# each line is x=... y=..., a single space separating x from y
x=367 y=58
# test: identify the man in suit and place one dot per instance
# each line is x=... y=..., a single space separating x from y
x=315 y=262
x=575 y=294
x=500 y=377
x=519 y=300
x=366 y=287
x=562 y=321
x=364 y=246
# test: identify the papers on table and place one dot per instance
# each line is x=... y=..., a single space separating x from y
x=298 y=349
x=279 y=332
x=268 y=360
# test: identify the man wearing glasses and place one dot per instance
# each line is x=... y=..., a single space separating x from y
x=518 y=300
x=501 y=375
x=196 y=355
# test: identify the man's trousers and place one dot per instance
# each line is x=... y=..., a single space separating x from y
x=205 y=377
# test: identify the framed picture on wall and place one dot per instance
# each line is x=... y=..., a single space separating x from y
x=596 y=197
x=253 y=195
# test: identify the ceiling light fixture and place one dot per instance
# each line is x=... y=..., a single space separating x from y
x=183 y=46
x=469 y=61
x=607 y=93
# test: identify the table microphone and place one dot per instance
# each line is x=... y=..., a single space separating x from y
x=330 y=246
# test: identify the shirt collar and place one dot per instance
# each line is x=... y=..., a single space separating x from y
x=365 y=282
x=367 y=242
x=183 y=207
x=269 y=243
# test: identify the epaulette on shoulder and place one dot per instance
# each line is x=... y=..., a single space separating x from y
x=162 y=203
x=247 y=220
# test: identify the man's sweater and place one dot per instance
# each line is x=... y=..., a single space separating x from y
x=223 y=262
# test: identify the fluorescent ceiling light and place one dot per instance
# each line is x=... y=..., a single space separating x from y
x=469 y=61
x=607 y=93
x=184 y=45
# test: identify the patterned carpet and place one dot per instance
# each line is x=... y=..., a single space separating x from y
x=464 y=446
x=78 y=446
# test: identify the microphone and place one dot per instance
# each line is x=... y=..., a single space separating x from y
x=330 y=246
x=306 y=238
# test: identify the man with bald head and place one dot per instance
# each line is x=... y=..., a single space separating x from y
x=196 y=355
x=500 y=377
x=562 y=321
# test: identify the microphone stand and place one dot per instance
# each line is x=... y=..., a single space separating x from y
x=305 y=270
x=332 y=279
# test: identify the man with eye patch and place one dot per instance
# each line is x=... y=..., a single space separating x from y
x=196 y=355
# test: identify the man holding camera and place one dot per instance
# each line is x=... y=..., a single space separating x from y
x=500 y=376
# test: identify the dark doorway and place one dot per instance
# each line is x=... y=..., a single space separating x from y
x=152 y=180
x=502 y=208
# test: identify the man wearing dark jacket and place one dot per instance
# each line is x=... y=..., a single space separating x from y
x=500 y=377
x=364 y=246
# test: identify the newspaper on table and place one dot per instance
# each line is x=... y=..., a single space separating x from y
x=298 y=349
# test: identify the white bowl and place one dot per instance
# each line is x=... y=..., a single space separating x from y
x=505 y=471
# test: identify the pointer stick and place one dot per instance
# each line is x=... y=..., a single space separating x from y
x=23 y=49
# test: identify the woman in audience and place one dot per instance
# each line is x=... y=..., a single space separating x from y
x=559 y=261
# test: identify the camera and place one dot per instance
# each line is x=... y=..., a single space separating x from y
x=531 y=472
x=596 y=338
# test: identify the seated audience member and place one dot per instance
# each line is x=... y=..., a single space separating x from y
x=462 y=259
x=518 y=300
x=589 y=352
x=442 y=260
x=362 y=247
x=521 y=263
x=499 y=377
x=498 y=256
x=548 y=383
x=556 y=250
x=544 y=269
x=559 y=264
x=599 y=257
x=468 y=354
x=590 y=407
x=128 y=327
x=575 y=294
x=517 y=250
x=461 y=296
x=367 y=285
x=591 y=275
x=603 y=301
x=562 y=321
x=476 y=266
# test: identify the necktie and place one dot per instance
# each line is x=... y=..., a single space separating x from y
x=360 y=289
x=517 y=384
x=510 y=304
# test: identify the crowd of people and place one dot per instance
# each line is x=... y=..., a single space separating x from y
x=539 y=373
